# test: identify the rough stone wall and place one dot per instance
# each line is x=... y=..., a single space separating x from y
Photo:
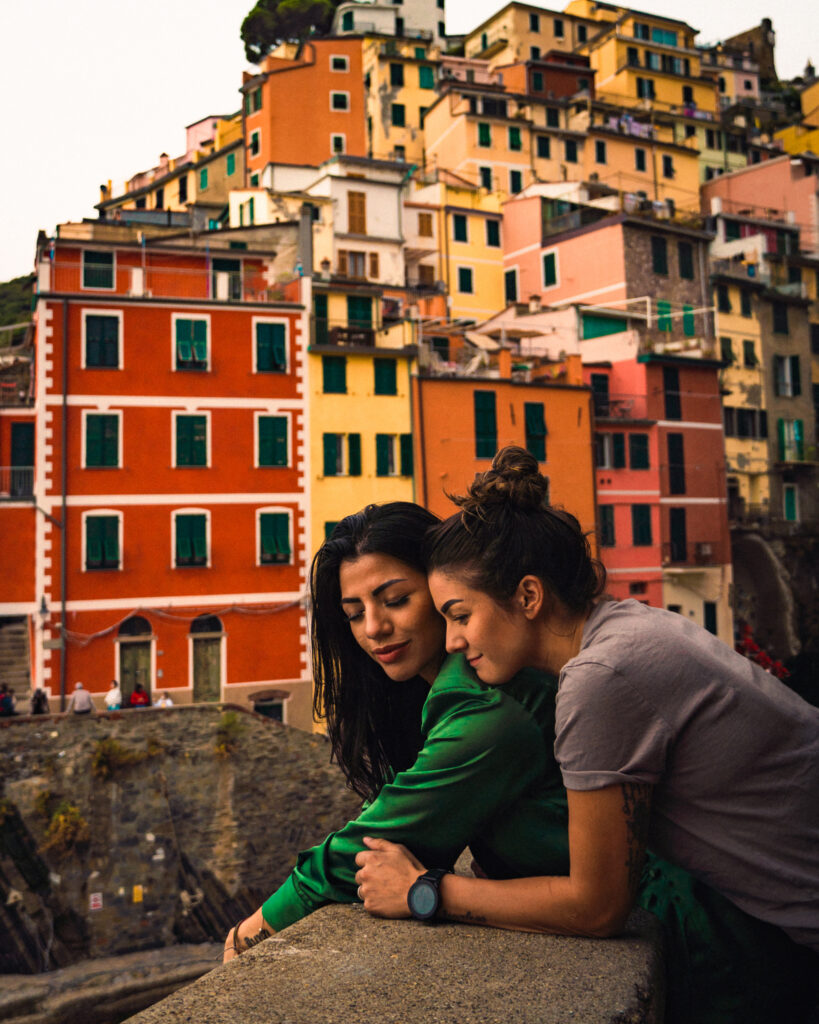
x=138 y=829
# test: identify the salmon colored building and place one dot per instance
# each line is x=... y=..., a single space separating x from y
x=170 y=471
x=306 y=104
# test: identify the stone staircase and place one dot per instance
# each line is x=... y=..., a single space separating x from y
x=14 y=659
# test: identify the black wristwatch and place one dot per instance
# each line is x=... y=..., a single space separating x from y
x=424 y=897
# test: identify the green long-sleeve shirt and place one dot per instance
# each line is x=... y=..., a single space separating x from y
x=485 y=777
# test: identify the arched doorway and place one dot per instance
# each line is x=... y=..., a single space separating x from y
x=206 y=637
x=134 y=640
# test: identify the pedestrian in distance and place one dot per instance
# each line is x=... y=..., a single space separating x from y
x=39 y=702
x=113 y=698
x=164 y=701
x=139 y=698
x=80 y=702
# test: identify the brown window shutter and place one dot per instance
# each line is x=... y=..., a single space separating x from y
x=374 y=265
x=342 y=263
x=357 y=213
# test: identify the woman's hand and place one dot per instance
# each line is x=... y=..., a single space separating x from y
x=386 y=872
x=237 y=940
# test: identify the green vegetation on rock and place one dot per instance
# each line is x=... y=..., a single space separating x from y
x=67 y=829
x=16 y=299
x=274 y=21
x=228 y=733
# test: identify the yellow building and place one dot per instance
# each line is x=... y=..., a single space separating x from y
x=810 y=105
x=799 y=138
x=401 y=77
x=455 y=229
x=524 y=32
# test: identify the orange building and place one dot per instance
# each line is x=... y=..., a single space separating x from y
x=170 y=471
x=461 y=419
x=306 y=105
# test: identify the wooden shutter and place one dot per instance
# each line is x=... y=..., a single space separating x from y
x=619 y=450
x=374 y=265
x=385 y=377
x=357 y=213
x=342 y=263
x=354 y=454
x=406 y=455
x=334 y=374
x=689 y=326
x=638 y=451
x=331 y=454
x=382 y=454
x=184 y=340
x=93 y=542
x=320 y=319
x=486 y=431
x=664 y=321
x=272 y=441
x=535 y=424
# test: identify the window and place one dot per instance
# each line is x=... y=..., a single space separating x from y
x=338 y=142
x=558 y=26
x=399 y=115
x=441 y=25
x=544 y=149
x=334 y=375
x=639 y=159
x=638 y=451
x=549 y=269
x=552 y=117
x=486 y=178
x=535 y=423
x=183 y=189
x=748 y=354
x=347 y=21
x=396 y=74
x=426 y=275
x=271 y=347
x=780 y=318
x=581 y=33
x=357 y=213
x=571 y=151
x=255 y=142
x=668 y=166
x=633 y=57
x=425 y=225
x=484 y=134
x=685 y=258
x=689 y=323
x=787 y=376
x=677 y=534
x=274 y=538
x=515 y=182
x=203 y=179
x=659 y=255
x=486 y=427
x=399 y=153
x=190 y=343
x=97 y=269
x=386 y=455
x=791 y=438
x=459 y=227
x=272 y=448
x=340 y=458
x=102 y=542
x=385 y=376
x=607 y=526
x=339 y=62
x=641 y=525
x=723 y=298
x=726 y=350
x=230 y=164
x=687 y=95
x=610 y=451
x=515 y=142
x=599 y=151
x=493 y=233
x=537 y=76
x=426 y=77
x=671 y=393
x=534 y=23
x=465 y=280
x=257 y=98
x=191 y=547
x=102 y=340
x=510 y=286
x=745 y=302
x=664 y=36
x=101 y=440
x=790 y=503
x=676 y=464
x=339 y=101
x=641 y=30
x=359 y=312
x=664 y=319
x=191 y=440
x=645 y=88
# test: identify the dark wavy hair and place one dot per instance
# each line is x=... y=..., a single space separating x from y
x=506 y=530
x=374 y=723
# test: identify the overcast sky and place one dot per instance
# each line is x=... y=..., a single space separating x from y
x=92 y=90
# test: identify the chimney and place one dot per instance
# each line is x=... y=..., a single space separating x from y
x=505 y=364
x=534 y=303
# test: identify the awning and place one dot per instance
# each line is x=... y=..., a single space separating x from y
x=482 y=341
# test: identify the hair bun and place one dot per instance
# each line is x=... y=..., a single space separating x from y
x=514 y=477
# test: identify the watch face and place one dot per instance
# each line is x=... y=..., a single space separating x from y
x=424 y=898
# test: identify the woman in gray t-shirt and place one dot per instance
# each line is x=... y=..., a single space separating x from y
x=665 y=736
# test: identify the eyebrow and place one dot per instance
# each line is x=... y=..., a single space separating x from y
x=448 y=604
x=376 y=592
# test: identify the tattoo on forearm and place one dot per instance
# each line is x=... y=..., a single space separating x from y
x=637 y=809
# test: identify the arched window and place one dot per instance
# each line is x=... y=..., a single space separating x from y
x=206 y=624
x=136 y=625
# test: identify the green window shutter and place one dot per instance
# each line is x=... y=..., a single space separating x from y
x=484 y=134
x=203 y=178
x=331 y=454
x=685 y=254
x=110 y=440
x=659 y=255
x=354 y=454
x=272 y=441
x=406 y=455
x=641 y=525
x=607 y=526
x=230 y=163
x=385 y=376
x=459 y=229
x=93 y=543
x=320 y=319
x=426 y=77
x=282 y=523
x=199 y=447
x=382 y=454
x=664 y=321
x=334 y=375
x=191 y=441
x=486 y=430
x=110 y=542
x=618 y=450
x=638 y=451
x=184 y=342
x=274 y=537
x=200 y=340
x=535 y=423
x=97 y=269
x=796 y=377
x=191 y=540
x=514 y=138
x=359 y=311
x=688 y=321
x=799 y=439
x=101 y=341
x=183 y=440
x=270 y=348
x=549 y=269
x=329 y=526
x=780 y=434
x=93 y=441
x=493 y=232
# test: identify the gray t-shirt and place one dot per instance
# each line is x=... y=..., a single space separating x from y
x=732 y=754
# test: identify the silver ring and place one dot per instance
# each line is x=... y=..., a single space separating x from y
x=358 y=893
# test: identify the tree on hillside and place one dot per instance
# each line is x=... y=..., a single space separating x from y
x=274 y=21
x=15 y=304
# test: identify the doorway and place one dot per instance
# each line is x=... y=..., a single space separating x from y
x=207 y=634
x=134 y=656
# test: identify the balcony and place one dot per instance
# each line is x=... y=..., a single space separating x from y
x=343 y=333
x=16 y=391
x=620 y=407
x=680 y=555
x=16 y=483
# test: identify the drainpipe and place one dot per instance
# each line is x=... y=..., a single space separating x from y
x=421 y=445
x=64 y=505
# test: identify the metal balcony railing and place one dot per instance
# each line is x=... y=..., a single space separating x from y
x=333 y=332
x=16 y=391
x=697 y=553
x=16 y=482
x=613 y=406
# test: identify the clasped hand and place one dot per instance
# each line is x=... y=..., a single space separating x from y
x=385 y=873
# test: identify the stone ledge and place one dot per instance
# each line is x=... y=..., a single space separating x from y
x=340 y=965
